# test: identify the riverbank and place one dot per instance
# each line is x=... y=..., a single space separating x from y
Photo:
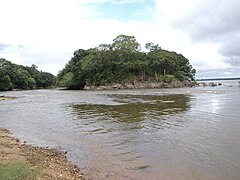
x=145 y=85
x=49 y=163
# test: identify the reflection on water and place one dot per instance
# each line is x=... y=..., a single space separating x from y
x=133 y=109
x=134 y=134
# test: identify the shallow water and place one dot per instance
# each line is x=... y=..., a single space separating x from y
x=187 y=133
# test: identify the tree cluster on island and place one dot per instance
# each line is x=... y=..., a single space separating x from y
x=124 y=62
x=13 y=76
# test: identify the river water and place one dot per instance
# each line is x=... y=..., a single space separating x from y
x=186 y=133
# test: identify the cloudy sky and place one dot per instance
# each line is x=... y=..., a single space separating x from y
x=46 y=32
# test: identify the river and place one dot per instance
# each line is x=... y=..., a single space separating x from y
x=185 y=133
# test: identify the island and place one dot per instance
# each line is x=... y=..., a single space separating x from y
x=123 y=64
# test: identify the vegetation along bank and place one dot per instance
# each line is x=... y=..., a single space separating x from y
x=13 y=76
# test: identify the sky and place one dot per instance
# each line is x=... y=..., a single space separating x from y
x=47 y=32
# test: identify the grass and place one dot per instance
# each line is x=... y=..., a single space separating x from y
x=16 y=170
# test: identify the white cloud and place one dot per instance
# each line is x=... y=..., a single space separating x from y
x=215 y=21
x=212 y=28
x=228 y=73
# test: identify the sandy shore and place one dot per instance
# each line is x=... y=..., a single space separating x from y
x=51 y=163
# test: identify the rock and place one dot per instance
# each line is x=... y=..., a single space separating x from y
x=212 y=84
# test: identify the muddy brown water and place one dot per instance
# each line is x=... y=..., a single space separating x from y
x=186 y=133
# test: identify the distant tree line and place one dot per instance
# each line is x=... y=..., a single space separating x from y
x=123 y=61
x=13 y=76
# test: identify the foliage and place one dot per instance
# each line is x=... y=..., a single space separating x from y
x=66 y=80
x=152 y=47
x=5 y=82
x=16 y=170
x=123 y=61
x=123 y=42
x=13 y=76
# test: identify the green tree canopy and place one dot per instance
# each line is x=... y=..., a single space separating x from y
x=123 y=42
x=13 y=76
